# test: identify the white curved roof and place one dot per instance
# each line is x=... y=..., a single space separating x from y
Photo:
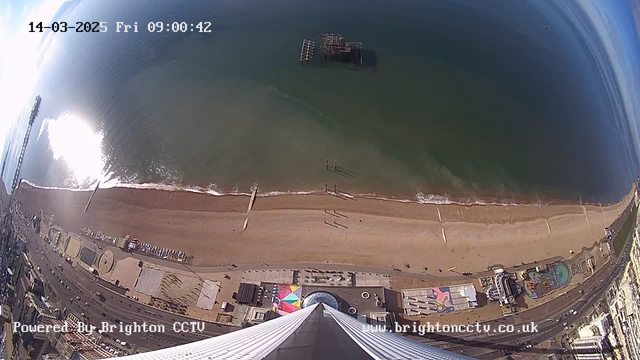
x=258 y=341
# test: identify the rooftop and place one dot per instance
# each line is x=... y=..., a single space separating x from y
x=439 y=300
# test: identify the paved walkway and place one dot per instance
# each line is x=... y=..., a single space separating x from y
x=431 y=274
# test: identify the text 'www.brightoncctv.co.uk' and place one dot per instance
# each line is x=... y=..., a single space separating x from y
x=428 y=327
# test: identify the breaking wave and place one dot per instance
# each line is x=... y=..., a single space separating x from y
x=420 y=198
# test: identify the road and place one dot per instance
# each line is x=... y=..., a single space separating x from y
x=550 y=317
x=114 y=307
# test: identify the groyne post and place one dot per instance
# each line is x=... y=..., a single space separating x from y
x=86 y=208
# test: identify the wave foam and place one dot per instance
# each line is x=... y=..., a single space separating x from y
x=55 y=187
x=212 y=189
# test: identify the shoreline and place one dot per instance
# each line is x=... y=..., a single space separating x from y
x=183 y=200
x=419 y=198
x=300 y=228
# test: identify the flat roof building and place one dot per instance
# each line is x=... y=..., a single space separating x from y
x=5 y=313
x=444 y=299
x=36 y=311
x=71 y=344
x=589 y=348
x=6 y=341
x=247 y=293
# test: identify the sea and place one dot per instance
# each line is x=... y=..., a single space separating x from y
x=457 y=101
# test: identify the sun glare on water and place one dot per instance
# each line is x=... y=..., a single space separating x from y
x=72 y=140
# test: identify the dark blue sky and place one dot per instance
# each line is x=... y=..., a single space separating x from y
x=619 y=32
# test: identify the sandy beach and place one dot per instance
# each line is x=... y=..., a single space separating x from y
x=296 y=228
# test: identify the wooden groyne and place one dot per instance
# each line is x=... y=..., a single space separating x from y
x=253 y=198
x=91 y=197
x=251 y=201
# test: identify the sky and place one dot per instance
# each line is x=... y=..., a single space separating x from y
x=19 y=57
x=619 y=33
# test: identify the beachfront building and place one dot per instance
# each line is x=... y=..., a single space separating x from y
x=590 y=348
x=5 y=313
x=317 y=329
x=72 y=344
x=444 y=299
x=501 y=287
x=365 y=303
x=257 y=315
x=55 y=233
x=593 y=338
x=6 y=341
x=599 y=326
x=625 y=312
x=36 y=311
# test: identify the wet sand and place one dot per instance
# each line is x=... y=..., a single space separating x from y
x=296 y=228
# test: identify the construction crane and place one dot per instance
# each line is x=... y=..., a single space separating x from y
x=32 y=118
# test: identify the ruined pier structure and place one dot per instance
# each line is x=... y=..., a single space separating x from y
x=334 y=47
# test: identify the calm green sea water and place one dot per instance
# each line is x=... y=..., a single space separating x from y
x=464 y=98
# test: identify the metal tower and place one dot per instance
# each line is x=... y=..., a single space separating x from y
x=32 y=118
x=315 y=332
